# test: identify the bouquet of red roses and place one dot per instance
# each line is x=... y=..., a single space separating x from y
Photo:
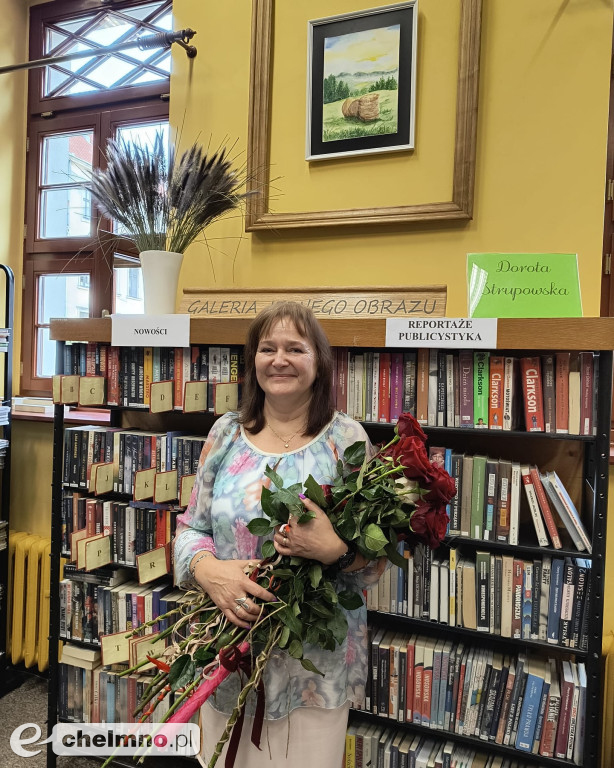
x=374 y=502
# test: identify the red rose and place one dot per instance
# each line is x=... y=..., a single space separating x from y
x=440 y=486
x=430 y=524
x=328 y=493
x=408 y=426
x=411 y=454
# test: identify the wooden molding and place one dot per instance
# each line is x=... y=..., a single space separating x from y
x=584 y=333
x=460 y=208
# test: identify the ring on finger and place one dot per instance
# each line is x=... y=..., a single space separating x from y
x=237 y=608
x=285 y=541
x=242 y=601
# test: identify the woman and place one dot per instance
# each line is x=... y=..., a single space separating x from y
x=287 y=420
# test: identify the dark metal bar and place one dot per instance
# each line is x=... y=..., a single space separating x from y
x=145 y=42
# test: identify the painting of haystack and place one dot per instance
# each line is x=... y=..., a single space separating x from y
x=361 y=75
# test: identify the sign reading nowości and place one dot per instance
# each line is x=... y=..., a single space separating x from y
x=150 y=330
x=442 y=332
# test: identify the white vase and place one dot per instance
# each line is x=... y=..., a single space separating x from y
x=160 y=280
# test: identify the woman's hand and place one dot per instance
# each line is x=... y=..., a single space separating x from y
x=313 y=540
x=231 y=589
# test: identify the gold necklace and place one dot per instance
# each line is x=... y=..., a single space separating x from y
x=284 y=440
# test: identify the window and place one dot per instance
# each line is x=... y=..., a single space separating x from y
x=75 y=107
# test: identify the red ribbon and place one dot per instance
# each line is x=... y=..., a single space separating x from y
x=232 y=659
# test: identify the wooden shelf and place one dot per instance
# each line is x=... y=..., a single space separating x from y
x=512 y=333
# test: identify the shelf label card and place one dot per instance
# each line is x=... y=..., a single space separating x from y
x=187 y=483
x=101 y=478
x=142 y=647
x=115 y=648
x=69 y=390
x=151 y=565
x=150 y=330
x=226 y=398
x=165 y=486
x=442 y=332
x=523 y=285
x=81 y=548
x=97 y=553
x=75 y=538
x=144 y=480
x=91 y=390
x=195 y=397
x=161 y=396
x=56 y=395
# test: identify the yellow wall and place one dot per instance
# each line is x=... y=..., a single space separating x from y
x=540 y=161
x=543 y=104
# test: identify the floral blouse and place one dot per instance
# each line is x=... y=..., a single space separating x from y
x=226 y=496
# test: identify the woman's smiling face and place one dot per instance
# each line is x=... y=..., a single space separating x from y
x=286 y=364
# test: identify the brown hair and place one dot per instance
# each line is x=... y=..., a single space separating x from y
x=252 y=399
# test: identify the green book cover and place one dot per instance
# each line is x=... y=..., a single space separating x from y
x=480 y=388
x=478 y=495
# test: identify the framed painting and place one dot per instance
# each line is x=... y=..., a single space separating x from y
x=361 y=83
x=455 y=207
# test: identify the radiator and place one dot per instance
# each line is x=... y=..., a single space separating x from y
x=607 y=741
x=28 y=600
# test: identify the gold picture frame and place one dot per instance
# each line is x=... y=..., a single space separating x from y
x=459 y=208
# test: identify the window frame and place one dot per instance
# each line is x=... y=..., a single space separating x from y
x=65 y=10
x=103 y=113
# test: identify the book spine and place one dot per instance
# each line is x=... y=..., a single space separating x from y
x=495 y=398
x=548 y=366
x=562 y=392
x=480 y=389
x=465 y=367
x=530 y=369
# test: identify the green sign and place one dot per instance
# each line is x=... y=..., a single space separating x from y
x=523 y=285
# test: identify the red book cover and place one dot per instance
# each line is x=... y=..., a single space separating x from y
x=90 y=358
x=178 y=393
x=113 y=376
x=341 y=393
x=586 y=393
x=161 y=527
x=383 y=414
x=517 y=598
x=140 y=609
x=461 y=684
x=409 y=685
x=396 y=386
x=495 y=397
x=530 y=370
x=90 y=517
x=545 y=508
x=422 y=386
x=561 y=387
x=103 y=360
x=562 y=731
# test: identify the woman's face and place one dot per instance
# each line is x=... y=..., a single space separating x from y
x=286 y=363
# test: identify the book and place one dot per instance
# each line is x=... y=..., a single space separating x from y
x=490 y=502
x=482 y=571
x=561 y=386
x=531 y=496
x=566 y=679
x=511 y=393
x=545 y=508
x=515 y=493
x=555 y=598
x=566 y=510
x=531 y=378
x=503 y=499
x=536 y=673
x=465 y=368
x=478 y=496
x=548 y=368
x=495 y=395
x=574 y=393
x=480 y=388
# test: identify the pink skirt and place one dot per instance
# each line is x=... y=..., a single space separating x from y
x=308 y=737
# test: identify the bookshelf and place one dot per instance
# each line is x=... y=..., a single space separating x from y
x=581 y=460
x=6 y=353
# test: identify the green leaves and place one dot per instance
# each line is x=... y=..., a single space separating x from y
x=374 y=537
x=313 y=491
x=354 y=455
x=181 y=672
x=259 y=527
